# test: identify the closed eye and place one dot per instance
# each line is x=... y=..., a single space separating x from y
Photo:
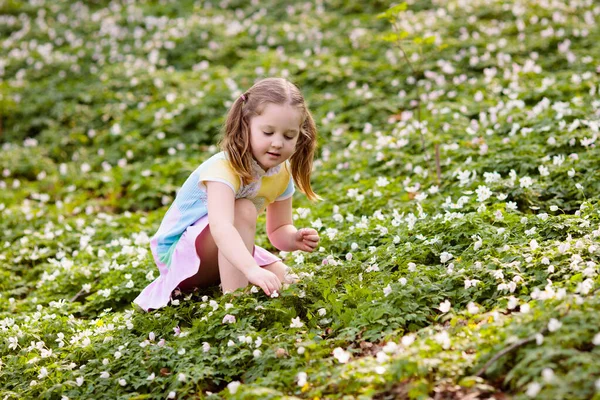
x=270 y=133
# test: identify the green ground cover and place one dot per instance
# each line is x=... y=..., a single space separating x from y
x=482 y=284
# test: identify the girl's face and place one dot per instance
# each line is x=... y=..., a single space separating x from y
x=273 y=134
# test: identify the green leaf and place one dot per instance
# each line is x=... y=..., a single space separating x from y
x=392 y=12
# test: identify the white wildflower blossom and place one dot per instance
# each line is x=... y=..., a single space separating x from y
x=341 y=355
x=445 y=256
x=302 y=377
x=525 y=182
x=296 y=323
x=233 y=386
x=387 y=290
x=483 y=193
x=554 y=325
x=533 y=389
x=445 y=306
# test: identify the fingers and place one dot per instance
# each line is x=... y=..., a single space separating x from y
x=310 y=245
x=311 y=238
x=271 y=284
x=265 y=289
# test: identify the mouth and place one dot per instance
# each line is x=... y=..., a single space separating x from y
x=274 y=154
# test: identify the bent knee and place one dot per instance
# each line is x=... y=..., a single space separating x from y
x=245 y=212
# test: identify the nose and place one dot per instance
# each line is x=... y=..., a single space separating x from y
x=277 y=143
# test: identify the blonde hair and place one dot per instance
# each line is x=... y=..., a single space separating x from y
x=235 y=139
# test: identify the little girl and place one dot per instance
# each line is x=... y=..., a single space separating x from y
x=207 y=235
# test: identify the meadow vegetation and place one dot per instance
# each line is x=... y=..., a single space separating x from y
x=482 y=284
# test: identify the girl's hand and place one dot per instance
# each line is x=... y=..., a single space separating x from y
x=306 y=239
x=265 y=279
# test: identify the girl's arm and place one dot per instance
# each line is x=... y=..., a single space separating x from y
x=221 y=203
x=283 y=234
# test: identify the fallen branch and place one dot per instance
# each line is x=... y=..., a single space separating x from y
x=508 y=349
x=81 y=292
x=523 y=342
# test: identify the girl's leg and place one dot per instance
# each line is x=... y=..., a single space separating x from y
x=208 y=273
x=244 y=221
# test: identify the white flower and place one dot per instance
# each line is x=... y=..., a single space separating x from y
x=230 y=319
x=115 y=129
x=407 y=340
x=387 y=290
x=104 y=375
x=402 y=281
x=525 y=182
x=296 y=323
x=43 y=373
x=545 y=261
x=322 y=312
x=533 y=244
x=472 y=308
x=548 y=374
x=443 y=339
x=301 y=378
x=122 y=382
x=444 y=306
x=382 y=181
x=382 y=357
x=341 y=355
x=13 y=342
x=596 y=339
x=554 y=325
x=233 y=386
x=205 y=347
x=564 y=247
x=170 y=97
x=483 y=193
x=390 y=347
x=181 y=377
x=317 y=224
x=256 y=353
x=445 y=256
x=533 y=389
x=79 y=380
